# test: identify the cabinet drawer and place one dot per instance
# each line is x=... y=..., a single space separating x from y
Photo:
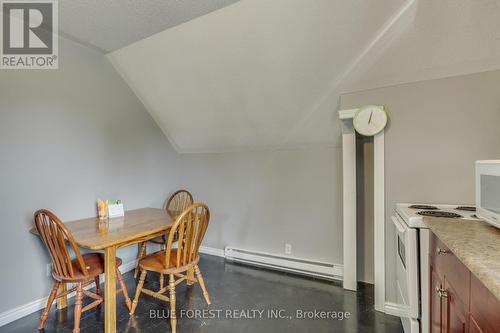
x=484 y=307
x=449 y=267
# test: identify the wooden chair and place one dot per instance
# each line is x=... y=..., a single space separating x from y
x=190 y=228
x=82 y=271
x=175 y=205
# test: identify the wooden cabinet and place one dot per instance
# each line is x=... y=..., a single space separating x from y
x=459 y=302
x=455 y=311
x=473 y=326
x=436 y=304
x=484 y=308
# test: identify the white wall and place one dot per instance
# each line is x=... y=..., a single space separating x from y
x=261 y=200
x=437 y=129
x=67 y=137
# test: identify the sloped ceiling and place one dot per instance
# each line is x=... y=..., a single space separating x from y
x=244 y=76
x=433 y=39
x=263 y=74
x=112 y=24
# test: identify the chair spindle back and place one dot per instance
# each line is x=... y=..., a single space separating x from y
x=54 y=235
x=190 y=227
x=178 y=202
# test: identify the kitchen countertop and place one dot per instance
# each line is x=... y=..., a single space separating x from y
x=475 y=243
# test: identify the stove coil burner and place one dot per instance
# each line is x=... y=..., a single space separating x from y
x=466 y=208
x=426 y=207
x=439 y=214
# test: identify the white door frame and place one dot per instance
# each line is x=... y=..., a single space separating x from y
x=349 y=207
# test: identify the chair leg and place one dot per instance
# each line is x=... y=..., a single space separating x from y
x=97 y=285
x=52 y=297
x=173 y=317
x=141 y=254
x=202 y=284
x=78 y=308
x=162 y=278
x=123 y=286
x=138 y=291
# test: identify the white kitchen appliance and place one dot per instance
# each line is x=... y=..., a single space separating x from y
x=488 y=191
x=412 y=268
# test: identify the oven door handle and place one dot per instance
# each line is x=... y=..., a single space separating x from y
x=398 y=224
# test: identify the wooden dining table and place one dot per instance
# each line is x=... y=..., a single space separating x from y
x=137 y=226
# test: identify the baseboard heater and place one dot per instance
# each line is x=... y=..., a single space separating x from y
x=285 y=263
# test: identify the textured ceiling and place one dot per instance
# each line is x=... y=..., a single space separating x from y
x=112 y=24
x=434 y=39
x=249 y=76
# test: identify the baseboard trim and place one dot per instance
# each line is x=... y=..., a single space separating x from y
x=21 y=311
x=212 y=251
x=395 y=309
x=9 y=316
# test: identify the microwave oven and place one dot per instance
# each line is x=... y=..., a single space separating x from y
x=488 y=191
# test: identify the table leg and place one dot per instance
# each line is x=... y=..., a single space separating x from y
x=110 y=290
x=62 y=302
x=190 y=274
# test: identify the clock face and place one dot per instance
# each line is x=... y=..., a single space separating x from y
x=370 y=120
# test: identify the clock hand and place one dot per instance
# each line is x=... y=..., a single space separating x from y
x=370 y=120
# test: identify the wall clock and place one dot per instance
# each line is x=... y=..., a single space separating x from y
x=370 y=120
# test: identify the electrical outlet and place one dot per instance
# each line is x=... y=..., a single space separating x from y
x=288 y=248
x=49 y=269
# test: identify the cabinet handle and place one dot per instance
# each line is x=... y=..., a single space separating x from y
x=441 y=292
x=441 y=251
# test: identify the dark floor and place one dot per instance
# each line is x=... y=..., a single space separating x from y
x=235 y=290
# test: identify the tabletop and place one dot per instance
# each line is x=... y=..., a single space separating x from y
x=96 y=234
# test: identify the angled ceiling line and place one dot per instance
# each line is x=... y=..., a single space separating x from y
x=337 y=82
x=72 y=38
x=148 y=108
x=115 y=24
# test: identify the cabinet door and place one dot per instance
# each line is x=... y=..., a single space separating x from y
x=484 y=309
x=456 y=311
x=436 y=304
x=473 y=326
